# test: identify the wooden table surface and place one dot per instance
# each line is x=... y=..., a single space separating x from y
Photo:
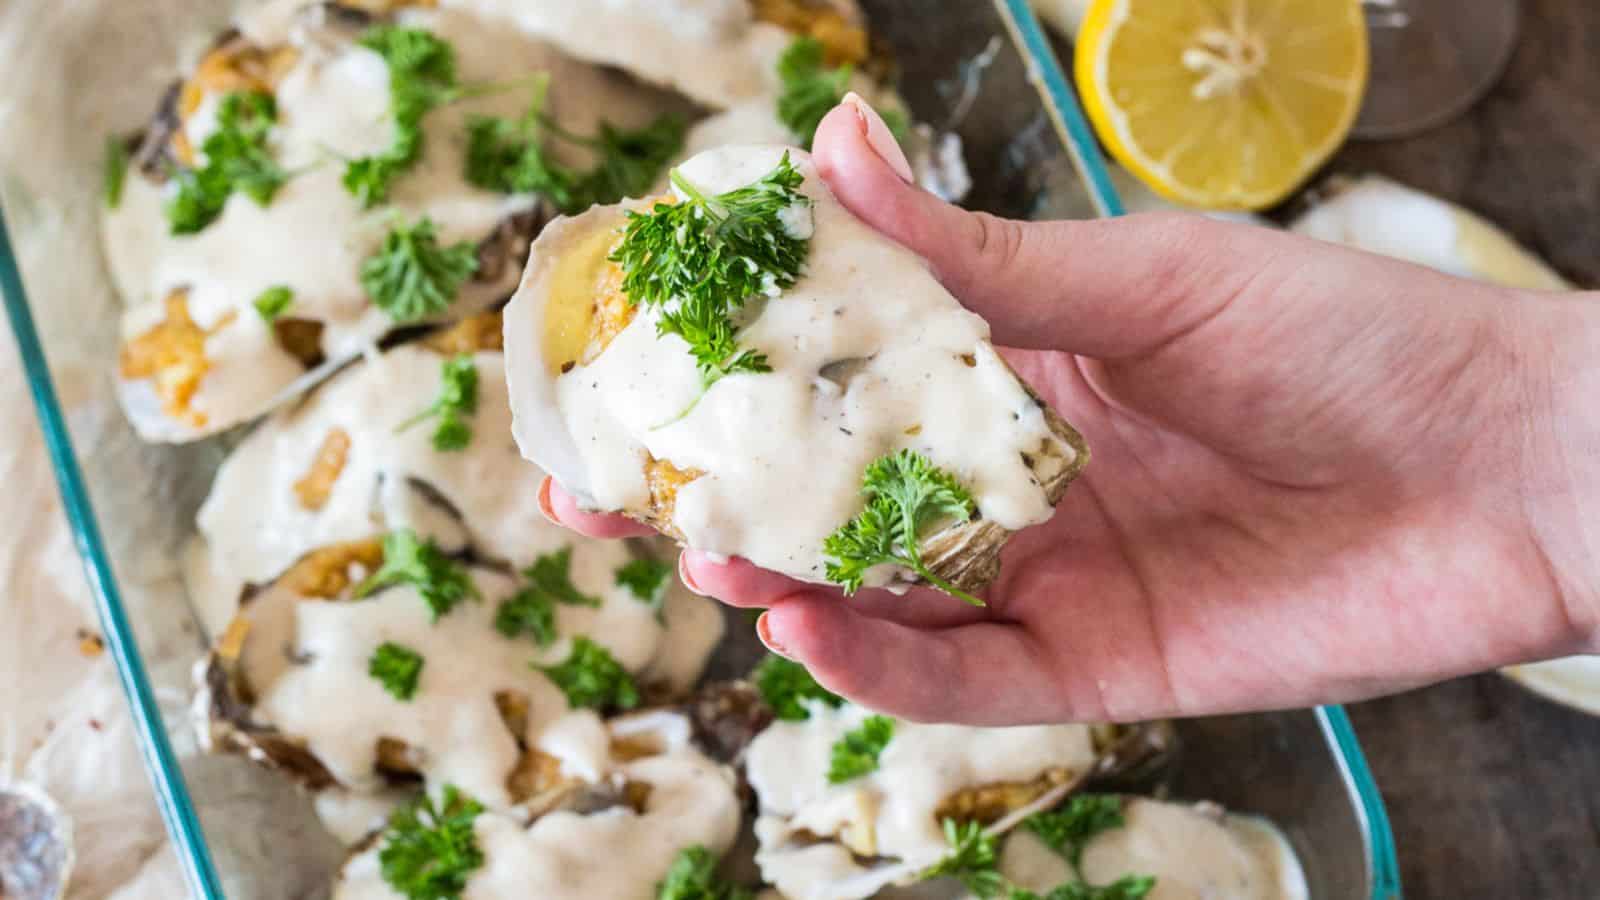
x=1493 y=792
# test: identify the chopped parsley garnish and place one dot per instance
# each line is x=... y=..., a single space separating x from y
x=422 y=75
x=811 y=90
x=905 y=493
x=442 y=582
x=857 y=753
x=430 y=850
x=458 y=398
x=397 y=667
x=532 y=610
x=236 y=159
x=972 y=860
x=413 y=278
x=646 y=579
x=1069 y=828
x=510 y=155
x=1128 y=887
x=274 y=302
x=592 y=678
x=786 y=686
x=693 y=876
x=699 y=261
x=116 y=170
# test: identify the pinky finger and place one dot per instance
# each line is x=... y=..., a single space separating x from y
x=559 y=507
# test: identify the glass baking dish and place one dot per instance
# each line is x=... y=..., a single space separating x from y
x=91 y=68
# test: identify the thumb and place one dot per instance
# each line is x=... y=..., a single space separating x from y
x=1108 y=289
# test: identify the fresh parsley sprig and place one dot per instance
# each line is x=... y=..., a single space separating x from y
x=273 y=302
x=412 y=277
x=646 y=579
x=422 y=75
x=787 y=687
x=430 y=850
x=397 y=667
x=458 y=398
x=905 y=493
x=511 y=156
x=810 y=90
x=700 y=261
x=1070 y=827
x=442 y=582
x=972 y=860
x=857 y=753
x=532 y=610
x=236 y=158
x=114 y=170
x=693 y=876
x=593 y=679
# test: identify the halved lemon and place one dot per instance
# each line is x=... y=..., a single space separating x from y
x=1223 y=104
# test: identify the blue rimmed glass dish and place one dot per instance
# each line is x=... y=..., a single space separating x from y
x=131 y=506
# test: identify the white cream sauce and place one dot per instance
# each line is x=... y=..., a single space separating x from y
x=712 y=51
x=616 y=853
x=888 y=812
x=1193 y=852
x=334 y=103
x=760 y=437
x=307 y=661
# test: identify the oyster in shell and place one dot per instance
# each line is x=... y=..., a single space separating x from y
x=197 y=356
x=615 y=835
x=289 y=683
x=869 y=355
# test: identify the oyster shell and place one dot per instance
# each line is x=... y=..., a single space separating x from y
x=618 y=448
x=287 y=684
x=613 y=835
x=197 y=358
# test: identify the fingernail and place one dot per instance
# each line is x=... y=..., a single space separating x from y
x=880 y=138
x=683 y=575
x=544 y=501
x=765 y=635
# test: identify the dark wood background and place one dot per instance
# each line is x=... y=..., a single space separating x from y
x=1493 y=792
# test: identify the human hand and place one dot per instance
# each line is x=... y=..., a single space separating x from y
x=1318 y=475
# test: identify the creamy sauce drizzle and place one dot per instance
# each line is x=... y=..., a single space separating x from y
x=334 y=103
x=783 y=452
x=616 y=853
x=320 y=689
x=715 y=52
x=889 y=812
x=1194 y=853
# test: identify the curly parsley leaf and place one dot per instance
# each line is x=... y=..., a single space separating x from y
x=857 y=753
x=693 y=876
x=413 y=278
x=810 y=90
x=905 y=493
x=699 y=261
x=442 y=582
x=593 y=679
x=458 y=399
x=397 y=667
x=1128 y=887
x=972 y=860
x=273 y=302
x=532 y=610
x=511 y=156
x=430 y=849
x=422 y=75
x=1070 y=827
x=115 y=170
x=236 y=158
x=787 y=686
x=647 y=580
